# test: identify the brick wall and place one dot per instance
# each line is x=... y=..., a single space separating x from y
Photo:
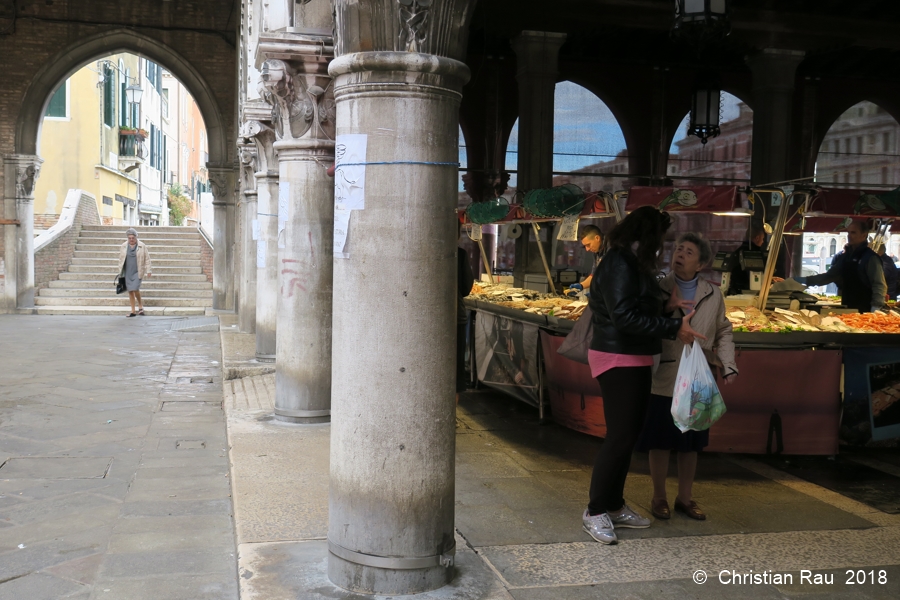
x=206 y=258
x=45 y=221
x=54 y=258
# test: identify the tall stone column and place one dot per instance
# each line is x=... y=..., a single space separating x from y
x=537 y=56
x=249 y=233
x=265 y=248
x=221 y=179
x=391 y=504
x=20 y=174
x=304 y=122
x=774 y=73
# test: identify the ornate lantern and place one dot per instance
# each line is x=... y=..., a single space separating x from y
x=701 y=21
x=706 y=110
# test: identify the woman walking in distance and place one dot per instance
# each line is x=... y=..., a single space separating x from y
x=134 y=264
x=629 y=326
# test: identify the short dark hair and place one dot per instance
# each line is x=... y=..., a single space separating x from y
x=756 y=229
x=702 y=245
x=864 y=226
x=589 y=230
x=647 y=226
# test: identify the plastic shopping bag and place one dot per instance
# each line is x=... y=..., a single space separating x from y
x=696 y=403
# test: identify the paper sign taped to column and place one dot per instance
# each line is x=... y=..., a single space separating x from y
x=261 y=254
x=349 y=186
x=284 y=199
x=255 y=229
x=475 y=233
x=568 y=229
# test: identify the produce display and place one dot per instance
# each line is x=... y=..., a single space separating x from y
x=749 y=319
x=529 y=301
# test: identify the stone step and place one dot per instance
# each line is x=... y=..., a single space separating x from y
x=120 y=300
x=175 y=238
x=113 y=268
x=154 y=256
x=109 y=292
x=158 y=276
x=114 y=262
x=121 y=229
x=175 y=246
x=152 y=283
x=121 y=311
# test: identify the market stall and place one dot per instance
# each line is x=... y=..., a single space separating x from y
x=793 y=357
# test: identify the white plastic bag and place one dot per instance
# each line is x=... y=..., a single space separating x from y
x=696 y=402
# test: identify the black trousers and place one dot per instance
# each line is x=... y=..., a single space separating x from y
x=626 y=394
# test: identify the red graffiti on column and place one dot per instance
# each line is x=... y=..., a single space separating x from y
x=293 y=281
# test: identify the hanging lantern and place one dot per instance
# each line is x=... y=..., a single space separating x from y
x=701 y=21
x=706 y=110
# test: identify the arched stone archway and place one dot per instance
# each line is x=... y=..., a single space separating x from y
x=73 y=57
x=214 y=102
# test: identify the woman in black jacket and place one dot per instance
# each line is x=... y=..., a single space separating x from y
x=629 y=326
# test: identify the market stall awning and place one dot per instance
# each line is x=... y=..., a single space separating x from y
x=796 y=226
x=699 y=199
x=862 y=203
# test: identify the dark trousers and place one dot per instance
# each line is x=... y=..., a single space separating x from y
x=626 y=394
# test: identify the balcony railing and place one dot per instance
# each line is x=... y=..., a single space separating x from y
x=131 y=144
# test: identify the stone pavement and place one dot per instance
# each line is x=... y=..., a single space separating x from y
x=114 y=479
x=521 y=489
x=115 y=484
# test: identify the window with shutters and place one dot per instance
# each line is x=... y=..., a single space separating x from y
x=59 y=102
x=109 y=95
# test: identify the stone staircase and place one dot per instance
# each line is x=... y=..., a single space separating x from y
x=178 y=286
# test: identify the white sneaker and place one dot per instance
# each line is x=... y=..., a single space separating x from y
x=599 y=527
x=628 y=519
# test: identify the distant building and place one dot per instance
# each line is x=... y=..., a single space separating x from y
x=723 y=159
x=127 y=155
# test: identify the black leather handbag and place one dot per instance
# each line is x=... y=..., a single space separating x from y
x=120 y=284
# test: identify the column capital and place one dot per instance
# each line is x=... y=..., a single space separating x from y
x=381 y=72
x=775 y=67
x=537 y=52
x=249 y=158
x=219 y=176
x=263 y=136
x=419 y=26
x=24 y=169
x=303 y=96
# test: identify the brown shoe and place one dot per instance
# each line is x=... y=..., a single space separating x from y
x=660 y=509
x=691 y=510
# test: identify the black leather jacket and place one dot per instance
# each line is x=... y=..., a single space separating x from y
x=627 y=308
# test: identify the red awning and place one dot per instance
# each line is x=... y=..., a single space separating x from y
x=860 y=203
x=700 y=199
x=818 y=225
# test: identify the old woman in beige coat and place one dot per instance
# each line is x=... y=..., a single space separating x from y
x=684 y=288
x=134 y=265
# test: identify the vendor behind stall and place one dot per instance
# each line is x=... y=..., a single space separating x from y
x=857 y=271
x=592 y=240
x=891 y=274
x=740 y=279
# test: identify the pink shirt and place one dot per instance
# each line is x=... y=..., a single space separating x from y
x=601 y=362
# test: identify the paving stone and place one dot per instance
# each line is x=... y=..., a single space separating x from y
x=210 y=586
x=40 y=586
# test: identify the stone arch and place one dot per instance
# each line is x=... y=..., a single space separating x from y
x=869 y=129
x=70 y=59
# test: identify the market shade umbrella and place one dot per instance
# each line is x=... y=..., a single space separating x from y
x=862 y=203
x=699 y=199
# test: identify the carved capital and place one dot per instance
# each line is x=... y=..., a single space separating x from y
x=247 y=153
x=218 y=180
x=303 y=103
x=426 y=26
x=263 y=137
x=24 y=170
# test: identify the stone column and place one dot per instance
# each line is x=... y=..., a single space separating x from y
x=247 y=290
x=391 y=504
x=537 y=56
x=265 y=249
x=221 y=179
x=20 y=174
x=304 y=123
x=774 y=72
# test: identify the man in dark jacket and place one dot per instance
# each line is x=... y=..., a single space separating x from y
x=890 y=273
x=740 y=279
x=857 y=272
